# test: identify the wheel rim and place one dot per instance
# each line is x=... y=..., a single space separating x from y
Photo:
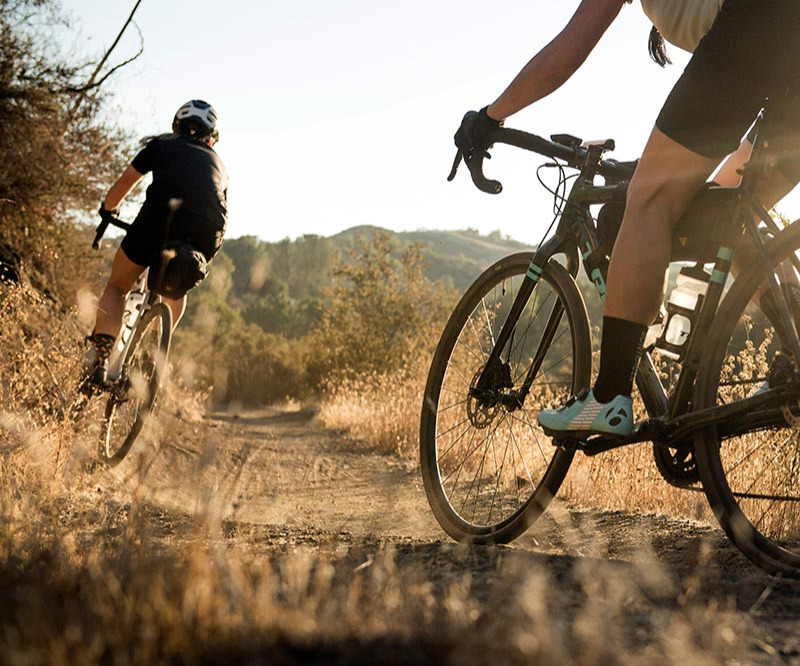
x=491 y=458
x=753 y=479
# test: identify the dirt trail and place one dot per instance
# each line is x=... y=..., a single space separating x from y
x=280 y=481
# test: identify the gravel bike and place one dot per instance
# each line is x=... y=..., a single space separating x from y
x=138 y=359
x=519 y=341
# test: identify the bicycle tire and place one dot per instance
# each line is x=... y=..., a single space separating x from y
x=134 y=394
x=458 y=360
x=751 y=479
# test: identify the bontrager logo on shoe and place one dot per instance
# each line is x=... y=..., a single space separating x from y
x=615 y=416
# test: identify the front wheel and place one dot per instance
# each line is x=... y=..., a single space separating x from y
x=134 y=393
x=489 y=470
x=751 y=469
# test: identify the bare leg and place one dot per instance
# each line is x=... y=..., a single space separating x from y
x=769 y=191
x=112 y=302
x=666 y=180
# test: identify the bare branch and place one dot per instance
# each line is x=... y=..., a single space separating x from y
x=104 y=78
x=90 y=83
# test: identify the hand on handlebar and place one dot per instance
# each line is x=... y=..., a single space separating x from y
x=105 y=213
x=473 y=141
x=471 y=138
x=106 y=217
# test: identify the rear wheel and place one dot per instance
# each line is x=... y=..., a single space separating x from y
x=489 y=470
x=751 y=472
x=133 y=394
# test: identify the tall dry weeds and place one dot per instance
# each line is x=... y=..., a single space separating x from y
x=379 y=409
x=94 y=571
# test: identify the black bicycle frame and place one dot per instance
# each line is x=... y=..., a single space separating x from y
x=670 y=417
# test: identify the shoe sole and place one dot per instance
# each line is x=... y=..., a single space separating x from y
x=583 y=434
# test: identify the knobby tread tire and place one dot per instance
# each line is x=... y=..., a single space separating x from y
x=767 y=552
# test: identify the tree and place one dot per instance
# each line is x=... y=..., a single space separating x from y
x=57 y=160
x=382 y=315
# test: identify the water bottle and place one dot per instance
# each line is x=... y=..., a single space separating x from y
x=682 y=307
x=134 y=301
x=655 y=329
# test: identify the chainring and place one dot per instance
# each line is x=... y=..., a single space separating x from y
x=677 y=465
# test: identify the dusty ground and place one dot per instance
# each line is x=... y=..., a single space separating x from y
x=278 y=483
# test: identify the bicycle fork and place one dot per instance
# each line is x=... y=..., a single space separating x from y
x=496 y=373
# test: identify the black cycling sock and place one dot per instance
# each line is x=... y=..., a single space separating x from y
x=103 y=345
x=620 y=351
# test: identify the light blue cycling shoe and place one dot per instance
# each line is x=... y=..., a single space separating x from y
x=583 y=416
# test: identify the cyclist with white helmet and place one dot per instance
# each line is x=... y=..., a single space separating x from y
x=744 y=51
x=184 y=166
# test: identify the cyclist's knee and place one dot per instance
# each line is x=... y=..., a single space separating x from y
x=658 y=201
x=121 y=284
x=667 y=178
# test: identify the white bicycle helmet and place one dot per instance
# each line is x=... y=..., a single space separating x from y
x=198 y=111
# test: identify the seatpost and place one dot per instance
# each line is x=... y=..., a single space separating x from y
x=172 y=207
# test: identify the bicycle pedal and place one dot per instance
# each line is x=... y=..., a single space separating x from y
x=648 y=429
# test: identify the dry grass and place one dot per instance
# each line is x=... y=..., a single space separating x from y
x=382 y=410
x=91 y=577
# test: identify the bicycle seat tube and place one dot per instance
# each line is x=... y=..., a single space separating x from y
x=682 y=394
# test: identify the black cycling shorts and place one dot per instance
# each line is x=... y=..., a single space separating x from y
x=750 y=52
x=145 y=239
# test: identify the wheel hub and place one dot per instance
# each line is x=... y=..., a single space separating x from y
x=485 y=403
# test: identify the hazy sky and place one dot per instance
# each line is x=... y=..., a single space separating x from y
x=341 y=113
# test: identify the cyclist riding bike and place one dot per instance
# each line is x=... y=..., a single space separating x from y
x=744 y=51
x=184 y=167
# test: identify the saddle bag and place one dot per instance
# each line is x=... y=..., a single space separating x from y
x=709 y=221
x=185 y=269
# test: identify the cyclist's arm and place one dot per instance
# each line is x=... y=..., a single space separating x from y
x=555 y=63
x=121 y=188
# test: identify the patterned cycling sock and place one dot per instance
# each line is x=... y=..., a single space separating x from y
x=103 y=345
x=620 y=351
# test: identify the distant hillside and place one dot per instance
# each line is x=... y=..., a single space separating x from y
x=454 y=256
x=279 y=286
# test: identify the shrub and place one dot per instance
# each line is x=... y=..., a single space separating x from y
x=382 y=314
x=252 y=367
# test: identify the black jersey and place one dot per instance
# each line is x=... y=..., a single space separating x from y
x=187 y=169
